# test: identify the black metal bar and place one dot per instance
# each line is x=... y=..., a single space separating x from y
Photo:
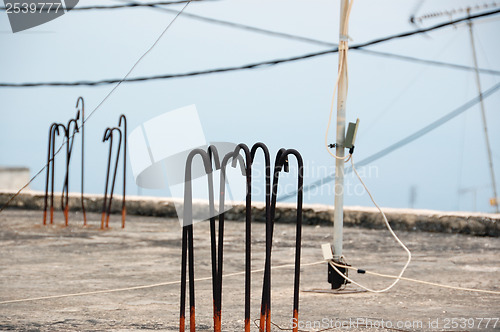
x=53 y=132
x=265 y=150
x=266 y=289
x=214 y=157
x=108 y=135
x=187 y=235
x=248 y=230
x=82 y=111
x=124 y=208
x=114 y=175
x=70 y=138
x=52 y=129
x=182 y=319
x=282 y=160
x=247 y=171
x=56 y=131
x=192 y=320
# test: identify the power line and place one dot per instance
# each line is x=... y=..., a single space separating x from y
x=124 y=6
x=323 y=43
x=419 y=133
x=431 y=62
x=252 y=65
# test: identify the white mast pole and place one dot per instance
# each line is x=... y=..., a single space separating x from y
x=341 y=111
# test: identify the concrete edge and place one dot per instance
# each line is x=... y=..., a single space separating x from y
x=480 y=224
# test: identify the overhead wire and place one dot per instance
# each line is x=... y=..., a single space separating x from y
x=160 y=6
x=251 y=66
x=461 y=152
x=395 y=97
x=408 y=139
x=314 y=41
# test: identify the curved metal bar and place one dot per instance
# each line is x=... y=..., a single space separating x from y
x=216 y=293
x=247 y=168
x=82 y=111
x=108 y=135
x=248 y=230
x=114 y=175
x=214 y=156
x=70 y=138
x=113 y=181
x=52 y=128
x=264 y=310
x=281 y=160
x=187 y=236
x=55 y=132
x=266 y=288
x=124 y=208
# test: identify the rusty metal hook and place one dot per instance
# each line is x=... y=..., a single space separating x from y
x=216 y=277
x=53 y=129
x=124 y=208
x=53 y=132
x=213 y=154
x=281 y=162
x=82 y=111
x=106 y=209
x=248 y=228
x=265 y=311
x=70 y=138
x=247 y=171
x=217 y=250
x=187 y=236
x=266 y=288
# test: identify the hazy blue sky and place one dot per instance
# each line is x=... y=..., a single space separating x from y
x=283 y=106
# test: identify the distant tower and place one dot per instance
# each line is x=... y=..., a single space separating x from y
x=413 y=196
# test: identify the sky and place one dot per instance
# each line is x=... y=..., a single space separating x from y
x=283 y=106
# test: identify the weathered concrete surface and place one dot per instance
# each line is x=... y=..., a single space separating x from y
x=481 y=224
x=39 y=261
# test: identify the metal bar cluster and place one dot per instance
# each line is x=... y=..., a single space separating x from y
x=209 y=158
x=69 y=132
x=108 y=136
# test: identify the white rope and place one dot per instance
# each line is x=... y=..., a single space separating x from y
x=147 y=286
x=412 y=280
x=334 y=265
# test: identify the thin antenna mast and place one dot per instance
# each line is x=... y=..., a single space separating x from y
x=483 y=116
